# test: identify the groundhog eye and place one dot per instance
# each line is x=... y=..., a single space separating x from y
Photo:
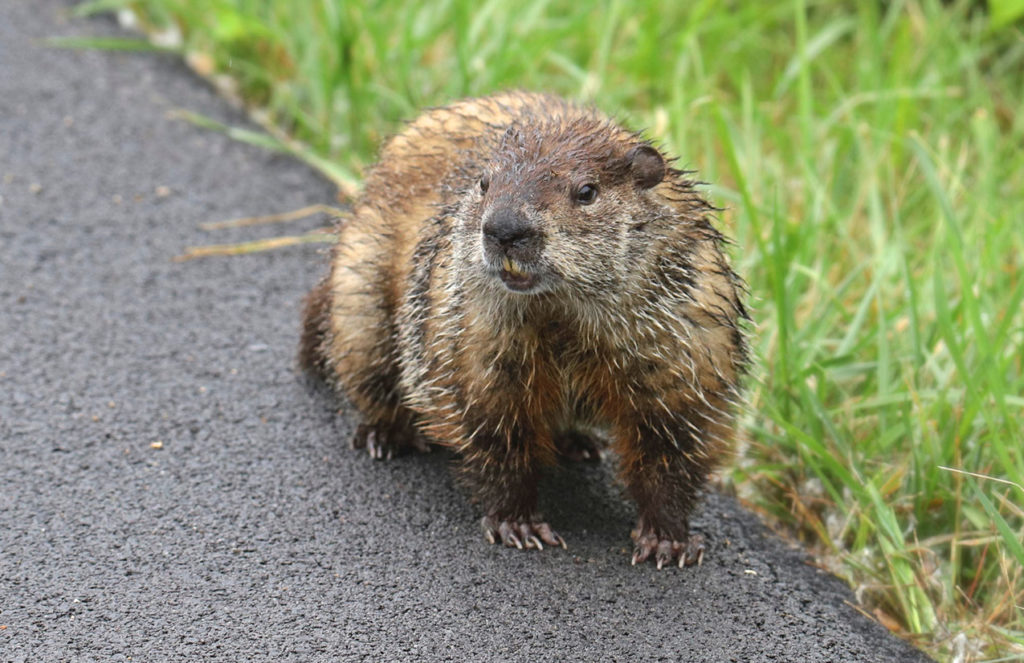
x=484 y=183
x=587 y=194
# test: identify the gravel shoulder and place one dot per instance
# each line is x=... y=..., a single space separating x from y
x=172 y=489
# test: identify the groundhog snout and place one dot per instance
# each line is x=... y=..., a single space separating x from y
x=509 y=232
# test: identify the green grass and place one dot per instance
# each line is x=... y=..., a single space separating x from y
x=870 y=157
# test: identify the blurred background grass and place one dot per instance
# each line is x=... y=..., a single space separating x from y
x=870 y=157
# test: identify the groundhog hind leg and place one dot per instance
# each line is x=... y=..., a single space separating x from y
x=369 y=372
x=361 y=352
x=315 y=327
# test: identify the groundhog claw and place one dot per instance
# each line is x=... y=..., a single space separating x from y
x=689 y=551
x=520 y=534
x=579 y=447
x=385 y=442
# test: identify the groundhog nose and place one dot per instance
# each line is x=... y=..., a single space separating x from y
x=508 y=228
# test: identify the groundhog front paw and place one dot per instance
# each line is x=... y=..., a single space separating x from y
x=689 y=551
x=384 y=442
x=520 y=533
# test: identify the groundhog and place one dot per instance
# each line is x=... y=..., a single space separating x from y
x=519 y=273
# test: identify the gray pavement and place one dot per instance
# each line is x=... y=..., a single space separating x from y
x=255 y=533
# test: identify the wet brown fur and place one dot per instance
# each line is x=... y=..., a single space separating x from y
x=638 y=332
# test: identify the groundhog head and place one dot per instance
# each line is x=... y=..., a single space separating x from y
x=558 y=206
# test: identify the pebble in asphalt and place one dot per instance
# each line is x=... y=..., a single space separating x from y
x=171 y=489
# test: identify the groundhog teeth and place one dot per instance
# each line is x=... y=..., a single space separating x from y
x=511 y=267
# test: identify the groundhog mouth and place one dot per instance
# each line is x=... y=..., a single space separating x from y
x=515 y=277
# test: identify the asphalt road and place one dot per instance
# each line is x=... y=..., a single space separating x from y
x=171 y=488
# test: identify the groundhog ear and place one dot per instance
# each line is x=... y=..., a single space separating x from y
x=646 y=165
